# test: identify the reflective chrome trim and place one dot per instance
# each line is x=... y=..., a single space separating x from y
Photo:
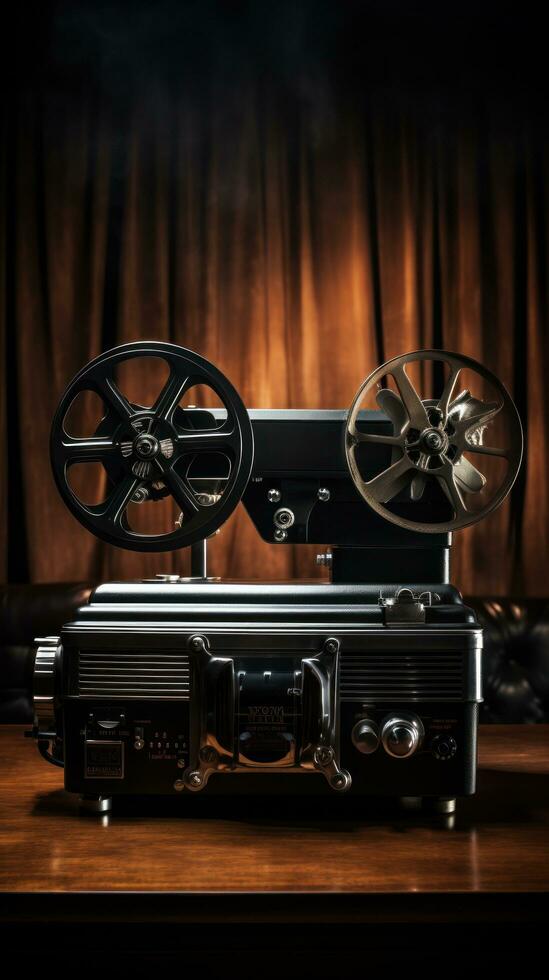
x=407 y=723
x=44 y=682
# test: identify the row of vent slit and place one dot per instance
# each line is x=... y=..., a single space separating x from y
x=388 y=676
x=379 y=676
x=149 y=674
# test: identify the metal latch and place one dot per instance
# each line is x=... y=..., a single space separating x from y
x=407 y=606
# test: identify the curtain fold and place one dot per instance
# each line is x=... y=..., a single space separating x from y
x=296 y=244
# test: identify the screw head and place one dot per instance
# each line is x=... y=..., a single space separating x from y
x=323 y=494
x=340 y=781
x=196 y=643
x=324 y=755
x=274 y=496
x=195 y=779
x=331 y=646
x=179 y=785
x=434 y=441
x=146 y=446
x=280 y=534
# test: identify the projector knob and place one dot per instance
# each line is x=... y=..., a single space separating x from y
x=401 y=736
x=444 y=747
x=365 y=737
x=45 y=665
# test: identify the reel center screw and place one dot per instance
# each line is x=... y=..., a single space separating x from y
x=146 y=446
x=434 y=441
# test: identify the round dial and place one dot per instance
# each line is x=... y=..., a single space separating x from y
x=401 y=735
x=365 y=736
x=444 y=747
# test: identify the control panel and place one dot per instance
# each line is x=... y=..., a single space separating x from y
x=132 y=745
x=393 y=745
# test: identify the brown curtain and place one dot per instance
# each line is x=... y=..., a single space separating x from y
x=296 y=243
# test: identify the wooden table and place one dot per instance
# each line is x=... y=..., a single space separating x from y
x=283 y=865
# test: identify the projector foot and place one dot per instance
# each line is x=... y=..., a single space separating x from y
x=96 y=804
x=444 y=804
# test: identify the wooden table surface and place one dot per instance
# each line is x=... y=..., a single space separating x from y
x=498 y=843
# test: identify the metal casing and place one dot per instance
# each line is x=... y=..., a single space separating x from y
x=226 y=688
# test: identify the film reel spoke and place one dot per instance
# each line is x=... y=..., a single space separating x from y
x=179 y=489
x=391 y=481
x=468 y=476
x=87 y=450
x=222 y=440
x=413 y=404
x=445 y=399
x=464 y=426
x=112 y=511
x=486 y=450
x=171 y=394
x=447 y=477
x=112 y=397
x=379 y=438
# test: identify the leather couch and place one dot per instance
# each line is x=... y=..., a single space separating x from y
x=515 y=661
x=27 y=612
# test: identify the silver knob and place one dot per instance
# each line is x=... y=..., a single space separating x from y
x=401 y=736
x=283 y=517
x=365 y=736
x=45 y=659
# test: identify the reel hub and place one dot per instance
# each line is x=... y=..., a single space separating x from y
x=146 y=447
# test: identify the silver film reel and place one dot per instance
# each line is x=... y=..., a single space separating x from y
x=438 y=463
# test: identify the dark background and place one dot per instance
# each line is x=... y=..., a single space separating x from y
x=298 y=191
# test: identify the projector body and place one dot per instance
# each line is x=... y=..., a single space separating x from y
x=226 y=688
x=366 y=685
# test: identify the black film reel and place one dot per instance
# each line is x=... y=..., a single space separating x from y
x=145 y=450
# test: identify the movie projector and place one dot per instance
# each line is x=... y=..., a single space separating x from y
x=367 y=685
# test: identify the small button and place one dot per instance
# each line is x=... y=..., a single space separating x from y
x=365 y=736
x=444 y=747
x=401 y=735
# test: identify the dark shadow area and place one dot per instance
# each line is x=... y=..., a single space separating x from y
x=501 y=798
x=290 y=950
